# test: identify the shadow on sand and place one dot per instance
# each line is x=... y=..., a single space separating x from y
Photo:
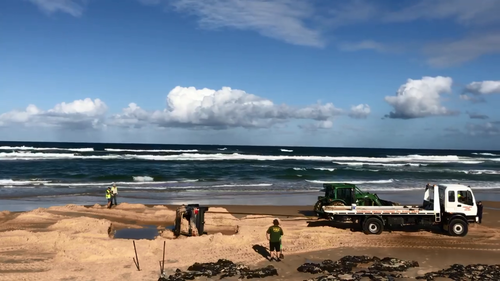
x=262 y=251
x=355 y=227
x=307 y=213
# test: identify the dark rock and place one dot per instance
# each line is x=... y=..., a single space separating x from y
x=460 y=272
x=392 y=264
x=224 y=268
x=313 y=268
x=258 y=273
x=343 y=269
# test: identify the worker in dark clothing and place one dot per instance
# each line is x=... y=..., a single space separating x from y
x=480 y=211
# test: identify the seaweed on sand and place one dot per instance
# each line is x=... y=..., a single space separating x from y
x=343 y=269
x=224 y=268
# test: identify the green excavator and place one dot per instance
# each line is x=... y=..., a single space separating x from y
x=346 y=194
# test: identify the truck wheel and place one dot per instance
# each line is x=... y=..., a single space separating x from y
x=458 y=227
x=373 y=226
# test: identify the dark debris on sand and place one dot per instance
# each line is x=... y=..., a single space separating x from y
x=470 y=272
x=343 y=269
x=222 y=267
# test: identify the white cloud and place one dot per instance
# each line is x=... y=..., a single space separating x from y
x=72 y=7
x=360 y=111
x=455 y=52
x=483 y=88
x=319 y=112
x=79 y=114
x=480 y=89
x=279 y=19
x=132 y=117
x=186 y=107
x=224 y=108
x=420 y=98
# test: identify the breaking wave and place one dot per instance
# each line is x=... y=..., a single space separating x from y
x=343 y=160
x=22 y=182
x=151 y=150
x=242 y=185
x=27 y=148
x=353 y=182
x=485 y=154
x=381 y=164
x=143 y=178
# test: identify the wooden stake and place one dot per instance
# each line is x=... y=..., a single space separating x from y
x=163 y=260
x=136 y=259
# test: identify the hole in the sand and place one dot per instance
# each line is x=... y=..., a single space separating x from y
x=148 y=232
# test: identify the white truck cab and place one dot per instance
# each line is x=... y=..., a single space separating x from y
x=453 y=199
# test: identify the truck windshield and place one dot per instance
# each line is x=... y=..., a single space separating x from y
x=465 y=197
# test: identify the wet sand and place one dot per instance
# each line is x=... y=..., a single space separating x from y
x=76 y=242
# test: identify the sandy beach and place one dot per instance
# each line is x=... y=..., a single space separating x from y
x=77 y=242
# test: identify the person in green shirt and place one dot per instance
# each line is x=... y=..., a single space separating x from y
x=274 y=234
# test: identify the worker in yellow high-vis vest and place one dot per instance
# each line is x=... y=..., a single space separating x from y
x=114 y=194
x=108 y=196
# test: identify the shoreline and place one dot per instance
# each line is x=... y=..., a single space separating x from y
x=220 y=199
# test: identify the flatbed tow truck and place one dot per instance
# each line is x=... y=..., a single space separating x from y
x=450 y=206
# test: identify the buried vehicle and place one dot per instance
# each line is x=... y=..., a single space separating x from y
x=346 y=194
x=450 y=206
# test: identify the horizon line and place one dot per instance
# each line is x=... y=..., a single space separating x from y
x=255 y=145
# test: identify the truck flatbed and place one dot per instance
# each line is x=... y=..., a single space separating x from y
x=378 y=210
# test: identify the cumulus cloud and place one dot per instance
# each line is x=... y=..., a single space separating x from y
x=479 y=89
x=360 y=111
x=79 y=114
x=224 y=108
x=420 y=98
x=186 y=107
x=132 y=116
x=483 y=88
x=72 y=7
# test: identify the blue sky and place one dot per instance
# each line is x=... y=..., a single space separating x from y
x=275 y=72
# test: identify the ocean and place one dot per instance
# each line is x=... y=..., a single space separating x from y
x=35 y=174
